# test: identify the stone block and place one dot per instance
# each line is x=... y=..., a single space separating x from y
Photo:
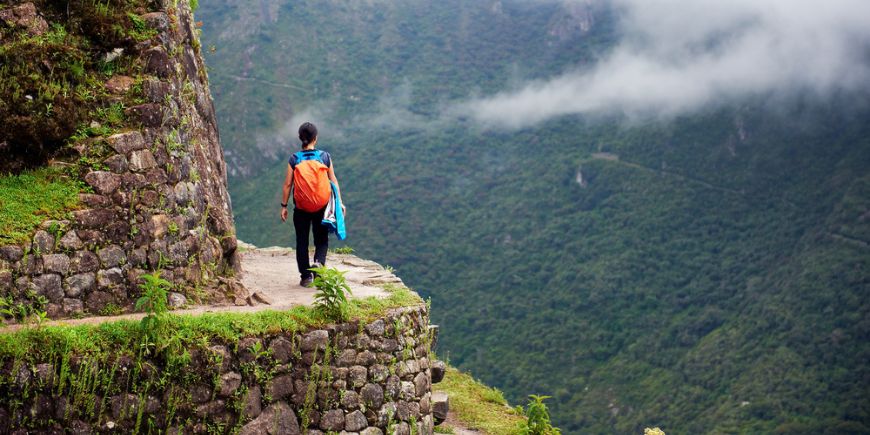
x=315 y=340
x=49 y=285
x=438 y=370
x=281 y=349
x=124 y=143
x=111 y=256
x=230 y=382
x=141 y=161
x=155 y=90
x=393 y=386
x=357 y=376
x=97 y=301
x=350 y=400
x=93 y=218
x=43 y=242
x=355 y=421
x=84 y=261
x=347 y=358
x=278 y=418
x=409 y=391
x=157 y=62
x=440 y=407
x=252 y=403
x=372 y=431
x=72 y=307
x=71 y=241
x=176 y=300
x=55 y=263
x=79 y=283
x=372 y=395
x=157 y=177
x=332 y=420
x=11 y=253
x=103 y=182
x=365 y=358
x=378 y=373
x=117 y=164
x=132 y=181
x=107 y=278
x=281 y=387
x=376 y=328
x=246 y=349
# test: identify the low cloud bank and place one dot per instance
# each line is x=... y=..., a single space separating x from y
x=678 y=56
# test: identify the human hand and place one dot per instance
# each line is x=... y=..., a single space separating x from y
x=283 y=214
x=343 y=209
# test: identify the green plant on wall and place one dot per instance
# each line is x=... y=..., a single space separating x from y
x=153 y=303
x=332 y=291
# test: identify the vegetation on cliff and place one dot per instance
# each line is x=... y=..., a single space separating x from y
x=703 y=274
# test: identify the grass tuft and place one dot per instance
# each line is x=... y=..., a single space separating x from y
x=478 y=406
x=30 y=198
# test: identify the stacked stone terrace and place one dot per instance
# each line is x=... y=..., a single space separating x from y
x=159 y=200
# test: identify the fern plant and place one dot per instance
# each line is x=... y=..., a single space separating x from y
x=332 y=291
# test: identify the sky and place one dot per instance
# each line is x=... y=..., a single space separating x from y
x=680 y=56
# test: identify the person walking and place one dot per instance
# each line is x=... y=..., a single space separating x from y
x=309 y=173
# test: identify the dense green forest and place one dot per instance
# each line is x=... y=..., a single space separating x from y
x=706 y=274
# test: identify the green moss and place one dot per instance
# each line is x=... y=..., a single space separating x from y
x=32 y=197
x=478 y=406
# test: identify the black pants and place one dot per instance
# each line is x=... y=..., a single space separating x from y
x=304 y=222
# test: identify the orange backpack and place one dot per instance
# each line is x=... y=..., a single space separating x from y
x=311 y=188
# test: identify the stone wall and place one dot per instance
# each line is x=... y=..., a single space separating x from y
x=351 y=378
x=159 y=196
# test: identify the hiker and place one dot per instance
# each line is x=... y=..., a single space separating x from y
x=311 y=178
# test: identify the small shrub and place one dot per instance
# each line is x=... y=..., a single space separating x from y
x=153 y=303
x=332 y=291
x=343 y=250
x=538 y=417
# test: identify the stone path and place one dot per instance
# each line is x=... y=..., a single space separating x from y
x=272 y=272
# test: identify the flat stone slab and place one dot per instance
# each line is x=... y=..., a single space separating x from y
x=272 y=272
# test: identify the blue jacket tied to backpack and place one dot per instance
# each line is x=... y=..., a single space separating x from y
x=333 y=217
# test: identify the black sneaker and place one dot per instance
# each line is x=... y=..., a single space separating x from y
x=307 y=281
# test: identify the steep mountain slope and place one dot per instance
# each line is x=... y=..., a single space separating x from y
x=707 y=274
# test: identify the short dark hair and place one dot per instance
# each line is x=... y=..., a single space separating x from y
x=307 y=133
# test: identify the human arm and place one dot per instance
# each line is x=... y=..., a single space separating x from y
x=287 y=188
x=337 y=189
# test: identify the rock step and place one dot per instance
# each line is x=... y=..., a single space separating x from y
x=440 y=406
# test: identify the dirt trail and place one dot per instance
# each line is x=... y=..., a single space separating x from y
x=272 y=273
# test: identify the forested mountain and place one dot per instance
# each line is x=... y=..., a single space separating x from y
x=706 y=273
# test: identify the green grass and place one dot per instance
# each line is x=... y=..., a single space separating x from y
x=123 y=336
x=478 y=406
x=28 y=199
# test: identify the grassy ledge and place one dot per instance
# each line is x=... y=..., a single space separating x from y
x=28 y=199
x=477 y=406
x=124 y=336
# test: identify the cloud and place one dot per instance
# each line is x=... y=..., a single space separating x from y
x=285 y=140
x=678 y=56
